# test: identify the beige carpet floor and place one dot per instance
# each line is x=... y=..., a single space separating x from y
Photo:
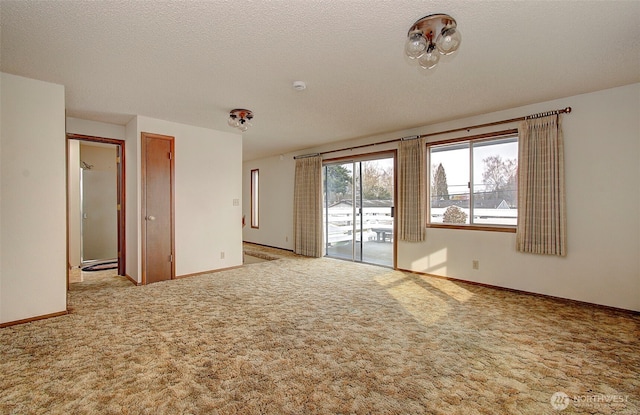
x=318 y=336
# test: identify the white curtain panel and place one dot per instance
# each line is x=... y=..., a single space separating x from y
x=307 y=207
x=542 y=221
x=412 y=185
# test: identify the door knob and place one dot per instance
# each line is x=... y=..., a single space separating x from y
x=151 y=217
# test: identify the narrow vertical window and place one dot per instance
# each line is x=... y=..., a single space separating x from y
x=254 y=197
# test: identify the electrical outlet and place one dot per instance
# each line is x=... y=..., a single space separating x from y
x=236 y=202
x=476 y=264
x=221 y=254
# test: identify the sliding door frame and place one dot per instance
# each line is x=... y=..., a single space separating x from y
x=393 y=154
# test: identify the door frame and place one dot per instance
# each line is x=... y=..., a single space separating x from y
x=368 y=157
x=120 y=195
x=143 y=216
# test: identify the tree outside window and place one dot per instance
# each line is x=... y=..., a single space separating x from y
x=474 y=182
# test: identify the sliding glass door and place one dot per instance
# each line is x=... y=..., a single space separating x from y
x=359 y=210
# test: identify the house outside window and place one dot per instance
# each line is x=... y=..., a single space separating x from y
x=473 y=182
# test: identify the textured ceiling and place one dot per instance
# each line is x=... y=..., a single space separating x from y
x=192 y=62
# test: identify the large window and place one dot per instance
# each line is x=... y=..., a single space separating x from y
x=255 y=198
x=474 y=182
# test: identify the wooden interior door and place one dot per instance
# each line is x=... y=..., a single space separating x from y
x=158 y=223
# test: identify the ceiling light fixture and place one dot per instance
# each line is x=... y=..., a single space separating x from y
x=430 y=37
x=240 y=118
x=299 y=85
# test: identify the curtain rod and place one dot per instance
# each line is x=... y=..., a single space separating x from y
x=566 y=110
x=307 y=155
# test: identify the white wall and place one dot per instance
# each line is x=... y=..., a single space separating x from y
x=602 y=155
x=208 y=177
x=73 y=202
x=32 y=199
x=275 y=201
x=95 y=128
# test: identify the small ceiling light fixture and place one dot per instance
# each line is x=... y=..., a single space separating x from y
x=240 y=118
x=430 y=37
x=299 y=85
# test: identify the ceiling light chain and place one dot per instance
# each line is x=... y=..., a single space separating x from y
x=430 y=37
x=240 y=119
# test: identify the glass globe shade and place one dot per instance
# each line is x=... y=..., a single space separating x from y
x=429 y=59
x=416 y=45
x=448 y=41
x=243 y=127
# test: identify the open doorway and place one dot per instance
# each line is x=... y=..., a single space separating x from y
x=95 y=203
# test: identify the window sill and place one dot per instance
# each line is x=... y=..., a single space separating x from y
x=507 y=229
